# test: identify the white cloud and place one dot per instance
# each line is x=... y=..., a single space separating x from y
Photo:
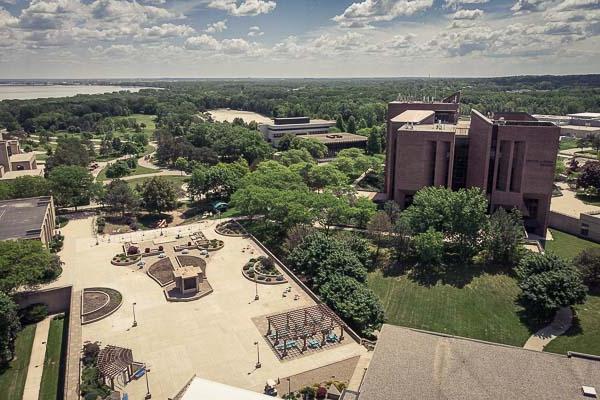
x=218 y=26
x=7 y=19
x=455 y=4
x=245 y=8
x=168 y=30
x=525 y=6
x=255 y=31
x=363 y=14
x=467 y=14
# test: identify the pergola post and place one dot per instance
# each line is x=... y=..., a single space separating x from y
x=341 y=333
x=324 y=341
x=269 y=329
x=284 y=347
x=304 y=347
x=276 y=338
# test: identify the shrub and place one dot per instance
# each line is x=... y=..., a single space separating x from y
x=147 y=250
x=117 y=170
x=268 y=280
x=90 y=353
x=189 y=243
x=260 y=278
x=133 y=250
x=588 y=263
x=34 y=313
x=160 y=248
x=429 y=247
x=134 y=226
x=548 y=282
x=279 y=278
x=321 y=392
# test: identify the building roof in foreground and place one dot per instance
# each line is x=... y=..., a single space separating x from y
x=411 y=364
x=202 y=389
x=327 y=138
x=22 y=218
x=22 y=172
x=587 y=115
x=414 y=116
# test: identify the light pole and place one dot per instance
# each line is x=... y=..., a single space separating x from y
x=256 y=287
x=134 y=321
x=289 y=386
x=258 y=364
x=148 y=395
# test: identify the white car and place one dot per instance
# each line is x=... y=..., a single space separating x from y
x=162 y=255
x=185 y=251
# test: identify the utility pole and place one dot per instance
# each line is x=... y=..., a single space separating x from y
x=258 y=364
x=134 y=321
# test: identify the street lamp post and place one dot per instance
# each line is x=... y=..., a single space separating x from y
x=134 y=321
x=148 y=395
x=256 y=287
x=289 y=387
x=258 y=364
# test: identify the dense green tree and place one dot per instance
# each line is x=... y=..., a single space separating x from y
x=72 y=186
x=120 y=197
x=285 y=142
x=590 y=175
x=548 y=282
x=354 y=302
x=429 y=248
x=224 y=179
x=380 y=230
x=26 y=263
x=460 y=215
x=158 y=195
x=9 y=327
x=316 y=149
x=503 y=238
x=181 y=164
x=69 y=151
x=198 y=184
x=351 y=125
x=339 y=123
x=374 y=143
x=588 y=263
x=295 y=156
x=117 y=169
x=326 y=175
x=29 y=186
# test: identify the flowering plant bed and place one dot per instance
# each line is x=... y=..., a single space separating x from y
x=212 y=245
x=263 y=270
x=124 y=259
x=230 y=228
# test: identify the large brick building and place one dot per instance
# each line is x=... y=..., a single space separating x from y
x=510 y=156
x=14 y=162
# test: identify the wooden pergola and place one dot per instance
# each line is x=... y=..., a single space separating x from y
x=114 y=361
x=302 y=324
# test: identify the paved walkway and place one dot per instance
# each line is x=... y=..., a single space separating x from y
x=36 y=362
x=359 y=371
x=561 y=323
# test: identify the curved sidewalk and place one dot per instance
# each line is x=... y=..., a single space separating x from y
x=561 y=323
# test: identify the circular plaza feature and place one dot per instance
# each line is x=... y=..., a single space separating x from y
x=230 y=228
x=263 y=270
x=98 y=303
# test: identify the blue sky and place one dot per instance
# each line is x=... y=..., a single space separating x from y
x=297 y=38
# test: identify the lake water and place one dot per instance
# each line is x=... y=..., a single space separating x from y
x=24 y=92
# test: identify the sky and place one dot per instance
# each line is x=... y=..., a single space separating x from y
x=297 y=38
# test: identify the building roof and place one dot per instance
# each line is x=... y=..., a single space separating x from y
x=585 y=115
x=22 y=157
x=411 y=364
x=201 y=389
x=312 y=123
x=414 y=116
x=23 y=172
x=188 y=271
x=430 y=128
x=23 y=218
x=328 y=138
x=581 y=128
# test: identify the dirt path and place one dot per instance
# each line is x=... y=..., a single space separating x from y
x=36 y=362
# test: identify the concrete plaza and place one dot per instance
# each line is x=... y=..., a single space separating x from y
x=212 y=337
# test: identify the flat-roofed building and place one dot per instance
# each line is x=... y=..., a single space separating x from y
x=336 y=142
x=294 y=126
x=412 y=364
x=510 y=156
x=14 y=162
x=31 y=218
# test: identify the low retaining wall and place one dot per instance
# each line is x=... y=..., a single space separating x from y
x=59 y=300
x=587 y=226
x=306 y=289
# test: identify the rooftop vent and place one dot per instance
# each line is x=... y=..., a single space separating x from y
x=589 y=391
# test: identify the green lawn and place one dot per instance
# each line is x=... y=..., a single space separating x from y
x=480 y=306
x=51 y=387
x=567 y=246
x=584 y=336
x=568 y=143
x=12 y=379
x=176 y=180
x=139 y=170
x=141 y=118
